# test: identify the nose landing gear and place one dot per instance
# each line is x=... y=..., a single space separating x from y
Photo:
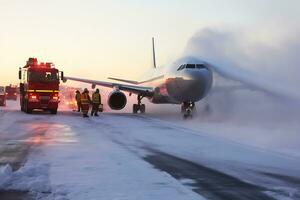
x=187 y=108
x=139 y=106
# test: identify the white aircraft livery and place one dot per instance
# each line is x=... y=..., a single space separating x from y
x=184 y=82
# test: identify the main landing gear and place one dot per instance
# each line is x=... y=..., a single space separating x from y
x=139 y=106
x=187 y=108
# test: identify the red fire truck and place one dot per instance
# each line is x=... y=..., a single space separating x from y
x=39 y=86
x=11 y=92
x=2 y=96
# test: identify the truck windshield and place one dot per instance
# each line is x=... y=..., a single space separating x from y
x=43 y=76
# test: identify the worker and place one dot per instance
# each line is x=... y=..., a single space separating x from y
x=77 y=97
x=85 y=102
x=96 y=101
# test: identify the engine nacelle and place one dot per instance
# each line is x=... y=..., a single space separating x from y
x=117 y=100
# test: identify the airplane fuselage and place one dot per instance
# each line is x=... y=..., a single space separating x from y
x=187 y=83
x=184 y=82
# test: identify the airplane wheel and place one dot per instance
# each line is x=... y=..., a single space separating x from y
x=135 y=108
x=183 y=109
x=188 y=114
x=143 y=108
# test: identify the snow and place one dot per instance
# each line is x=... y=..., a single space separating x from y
x=5 y=174
x=102 y=158
x=76 y=159
x=107 y=156
x=32 y=177
x=99 y=168
x=112 y=177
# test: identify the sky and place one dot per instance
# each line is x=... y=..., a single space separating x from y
x=95 y=38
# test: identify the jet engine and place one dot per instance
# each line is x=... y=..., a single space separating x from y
x=117 y=100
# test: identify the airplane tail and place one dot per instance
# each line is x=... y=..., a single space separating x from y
x=136 y=82
x=153 y=53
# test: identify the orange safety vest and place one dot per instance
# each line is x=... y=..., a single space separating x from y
x=84 y=98
x=96 y=98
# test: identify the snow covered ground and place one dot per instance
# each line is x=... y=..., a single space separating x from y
x=125 y=156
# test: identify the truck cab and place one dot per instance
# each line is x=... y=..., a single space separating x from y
x=39 y=87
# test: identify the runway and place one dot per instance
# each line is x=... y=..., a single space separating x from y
x=125 y=156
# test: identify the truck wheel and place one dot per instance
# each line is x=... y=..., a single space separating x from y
x=53 y=111
x=26 y=109
x=29 y=111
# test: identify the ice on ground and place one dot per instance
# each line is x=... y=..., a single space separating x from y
x=5 y=174
x=32 y=177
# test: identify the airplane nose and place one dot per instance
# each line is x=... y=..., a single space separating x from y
x=196 y=83
x=193 y=85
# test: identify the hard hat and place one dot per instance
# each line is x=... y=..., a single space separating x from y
x=97 y=90
x=86 y=90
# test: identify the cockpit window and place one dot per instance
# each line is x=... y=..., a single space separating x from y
x=200 y=66
x=181 y=67
x=190 y=66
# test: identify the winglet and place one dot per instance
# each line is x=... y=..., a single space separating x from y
x=153 y=49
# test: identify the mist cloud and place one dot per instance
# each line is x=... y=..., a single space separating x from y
x=271 y=67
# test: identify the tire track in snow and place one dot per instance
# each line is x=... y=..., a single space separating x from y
x=207 y=182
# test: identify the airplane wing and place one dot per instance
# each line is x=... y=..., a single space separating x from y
x=139 y=90
x=136 y=82
x=125 y=81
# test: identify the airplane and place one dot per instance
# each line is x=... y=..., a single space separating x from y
x=184 y=82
